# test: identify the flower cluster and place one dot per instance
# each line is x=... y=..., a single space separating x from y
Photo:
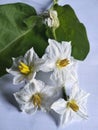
x=35 y=95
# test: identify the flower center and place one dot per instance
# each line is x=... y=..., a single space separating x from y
x=73 y=105
x=37 y=99
x=23 y=68
x=62 y=63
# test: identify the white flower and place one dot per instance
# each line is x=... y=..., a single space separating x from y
x=52 y=20
x=59 y=60
x=36 y=95
x=25 y=68
x=74 y=108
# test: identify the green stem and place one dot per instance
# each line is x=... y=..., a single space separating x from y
x=54 y=34
x=55 y=1
x=65 y=94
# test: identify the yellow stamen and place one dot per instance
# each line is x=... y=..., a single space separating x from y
x=62 y=63
x=37 y=100
x=73 y=105
x=23 y=68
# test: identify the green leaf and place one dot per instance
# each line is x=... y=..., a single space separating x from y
x=19 y=32
x=71 y=29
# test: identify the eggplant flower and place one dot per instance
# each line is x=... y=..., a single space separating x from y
x=74 y=108
x=25 y=68
x=59 y=60
x=52 y=20
x=35 y=95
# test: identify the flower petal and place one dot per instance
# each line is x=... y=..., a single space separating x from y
x=74 y=91
x=66 y=47
x=63 y=76
x=43 y=64
x=59 y=106
x=18 y=79
x=14 y=69
x=24 y=95
x=82 y=97
x=38 y=84
x=66 y=117
x=29 y=108
x=48 y=64
x=78 y=94
x=54 y=49
x=31 y=56
x=13 y=72
x=31 y=76
x=49 y=95
x=82 y=114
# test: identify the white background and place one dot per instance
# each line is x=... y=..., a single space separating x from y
x=12 y=119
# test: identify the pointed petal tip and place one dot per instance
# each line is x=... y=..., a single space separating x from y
x=49 y=40
x=7 y=70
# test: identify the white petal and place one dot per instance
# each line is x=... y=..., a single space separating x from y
x=14 y=69
x=82 y=114
x=63 y=76
x=39 y=64
x=66 y=47
x=49 y=95
x=83 y=103
x=21 y=98
x=72 y=66
x=13 y=72
x=45 y=64
x=39 y=85
x=18 y=79
x=59 y=106
x=31 y=76
x=54 y=49
x=29 y=108
x=30 y=56
x=82 y=98
x=48 y=64
x=16 y=61
x=44 y=108
x=74 y=91
x=56 y=75
x=66 y=117
x=31 y=88
x=78 y=94
x=24 y=94
x=58 y=50
x=49 y=91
